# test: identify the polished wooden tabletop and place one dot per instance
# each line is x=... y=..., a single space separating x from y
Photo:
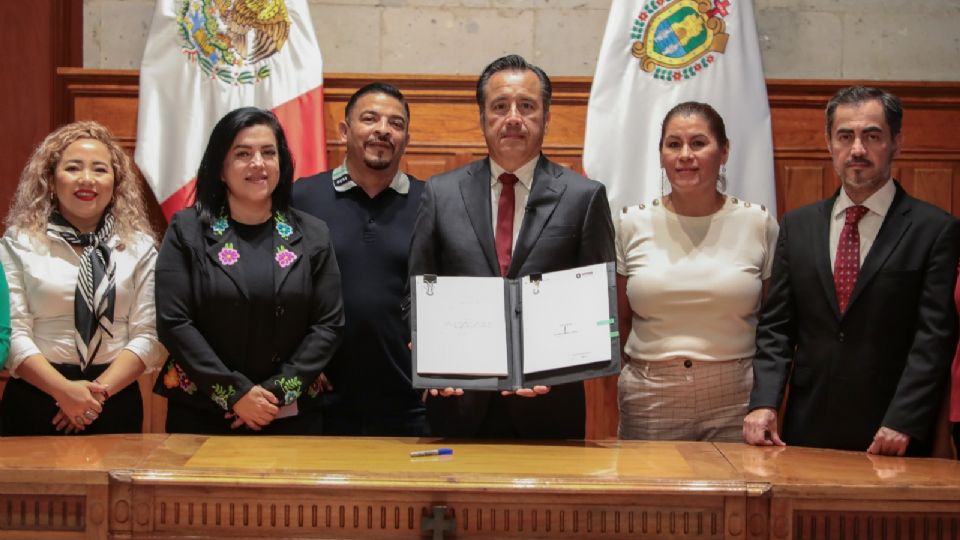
x=812 y=472
x=606 y=465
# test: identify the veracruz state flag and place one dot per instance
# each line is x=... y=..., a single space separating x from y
x=205 y=58
x=656 y=54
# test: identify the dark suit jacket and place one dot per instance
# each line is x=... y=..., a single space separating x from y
x=567 y=224
x=203 y=316
x=885 y=361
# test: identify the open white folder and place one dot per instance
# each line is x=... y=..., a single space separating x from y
x=499 y=328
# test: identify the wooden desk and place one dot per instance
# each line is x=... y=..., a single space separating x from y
x=829 y=494
x=160 y=486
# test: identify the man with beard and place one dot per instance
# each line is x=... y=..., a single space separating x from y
x=511 y=214
x=370 y=207
x=859 y=315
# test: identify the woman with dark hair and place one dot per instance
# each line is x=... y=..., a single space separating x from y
x=692 y=266
x=248 y=298
x=79 y=256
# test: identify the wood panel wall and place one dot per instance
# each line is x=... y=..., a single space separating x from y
x=49 y=35
x=445 y=134
x=445 y=129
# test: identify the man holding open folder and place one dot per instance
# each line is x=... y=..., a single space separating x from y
x=512 y=214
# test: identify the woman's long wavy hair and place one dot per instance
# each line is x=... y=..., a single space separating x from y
x=33 y=203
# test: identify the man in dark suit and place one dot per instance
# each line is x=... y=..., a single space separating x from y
x=512 y=214
x=860 y=303
x=370 y=206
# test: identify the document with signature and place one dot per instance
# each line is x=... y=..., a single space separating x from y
x=493 y=333
x=461 y=326
x=566 y=319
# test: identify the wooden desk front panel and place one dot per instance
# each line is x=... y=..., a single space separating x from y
x=54 y=510
x=817 y=494
x=158 y=486
x=371 y=489
x=869 y=520
x=335 y=512
x=58 y=487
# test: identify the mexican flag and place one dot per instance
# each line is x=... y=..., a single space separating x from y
x=205 y=58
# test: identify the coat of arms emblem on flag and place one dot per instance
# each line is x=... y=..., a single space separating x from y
x=204 y=58
x=656 y=54
x=675 y=40
x=227 y=38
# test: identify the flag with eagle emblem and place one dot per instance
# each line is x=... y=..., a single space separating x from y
x=205 y=58
x=656 y=54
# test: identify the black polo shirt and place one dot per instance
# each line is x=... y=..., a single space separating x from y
x=370 y=372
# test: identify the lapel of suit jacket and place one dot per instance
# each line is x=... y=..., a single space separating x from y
x=545 y=194
x=894 y=226
x=821 y=253
x=222 y=250
x=475 y=190
x=286 y=253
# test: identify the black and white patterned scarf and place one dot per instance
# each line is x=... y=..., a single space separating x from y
x=96 y=292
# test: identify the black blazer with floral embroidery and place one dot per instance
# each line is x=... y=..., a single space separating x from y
x=203 y=315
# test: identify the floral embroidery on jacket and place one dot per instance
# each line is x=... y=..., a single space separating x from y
x=228 y=255
x=220 y=225
x=290 y=387
x=176 y=378
x=283 y=228
x=221 y=394
x=284 y=256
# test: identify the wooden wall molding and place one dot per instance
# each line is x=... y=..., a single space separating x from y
x=445 y=125
x=42 y=35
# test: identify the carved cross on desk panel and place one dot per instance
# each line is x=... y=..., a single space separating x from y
x=438 y=523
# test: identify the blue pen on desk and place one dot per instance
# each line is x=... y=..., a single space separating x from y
x=434 y=452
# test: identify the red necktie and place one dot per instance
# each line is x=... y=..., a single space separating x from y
x=504 y=231
x=846 y=266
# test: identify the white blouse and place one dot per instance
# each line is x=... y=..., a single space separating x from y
x=42 y=275
x=694 y=283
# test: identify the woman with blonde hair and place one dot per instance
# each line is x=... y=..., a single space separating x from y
x=79 y=257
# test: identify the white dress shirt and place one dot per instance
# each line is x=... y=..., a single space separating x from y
x=521 y=193
x=42 y=274
x=878 y=204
